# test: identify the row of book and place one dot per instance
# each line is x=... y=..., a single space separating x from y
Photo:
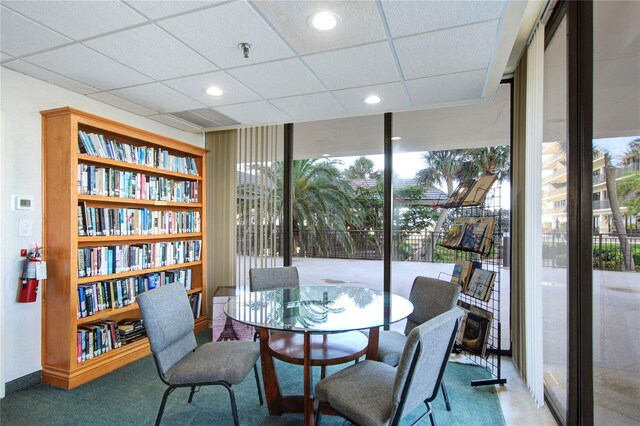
x=475 y=329
x=470 y=234
x=104 y=336
x=98 y=221
x=471 y=192
x=106 y=260
x=109 y=182
x=97 y=145
x=475 y=281
x=98 y=296
x=195 y=300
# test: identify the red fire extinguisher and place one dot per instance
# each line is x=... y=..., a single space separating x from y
x=33 y=270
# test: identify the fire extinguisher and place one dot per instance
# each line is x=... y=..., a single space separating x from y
x=33 y=270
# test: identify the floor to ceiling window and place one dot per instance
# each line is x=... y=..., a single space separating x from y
x=554 y=220
x=337 y=199
x=434 y=151
x=616 y=210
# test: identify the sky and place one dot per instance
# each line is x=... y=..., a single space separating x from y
x=616 y=146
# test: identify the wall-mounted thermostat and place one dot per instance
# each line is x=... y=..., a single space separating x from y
x=22 y=202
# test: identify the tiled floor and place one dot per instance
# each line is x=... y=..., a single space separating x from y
x=518 y=406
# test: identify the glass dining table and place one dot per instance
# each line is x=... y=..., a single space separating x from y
x=314 y=325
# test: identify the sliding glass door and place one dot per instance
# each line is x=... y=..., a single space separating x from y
x=554 y=221
x=616 y=212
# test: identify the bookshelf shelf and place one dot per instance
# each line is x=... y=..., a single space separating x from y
x=121 y=165
x=129 y=239
x=109 y=277
x=136 y=202
x=106 y=313
x=61 y=202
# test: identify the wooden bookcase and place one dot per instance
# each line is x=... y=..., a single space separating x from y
x=61 y=197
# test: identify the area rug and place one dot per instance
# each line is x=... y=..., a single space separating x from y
x=132 y=394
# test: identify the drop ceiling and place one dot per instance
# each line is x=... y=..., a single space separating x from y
x=155 y=58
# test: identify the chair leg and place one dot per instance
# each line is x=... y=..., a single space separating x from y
x=446 y=395
x=317 y=411
x=163 y=403
x=193 y=391
x=255 y=370
x=234 y=409
x=432 y=416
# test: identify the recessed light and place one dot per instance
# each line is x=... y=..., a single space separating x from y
x=324 y=21
x=372 y=99
x=396 y=138
x=214 y=91
x=326 y=155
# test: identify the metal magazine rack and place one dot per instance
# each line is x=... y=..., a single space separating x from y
x=492 y=261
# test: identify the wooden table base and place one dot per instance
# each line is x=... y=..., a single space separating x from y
x=308 y=350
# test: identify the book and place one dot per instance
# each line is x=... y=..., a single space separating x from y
x=473 y=237
x=458 y=195
x=462 y=271
x=479 y=190
x=474 y=331
x=480 y=284
x=454 y=235
x=470 y=234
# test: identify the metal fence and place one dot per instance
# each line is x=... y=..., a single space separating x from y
x=424 y=247
x=607 y=252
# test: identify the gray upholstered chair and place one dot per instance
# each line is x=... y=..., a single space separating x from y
x=168 y=320
x=270 y=278
x=261 y=279
x=375 y=393
x=430 y=298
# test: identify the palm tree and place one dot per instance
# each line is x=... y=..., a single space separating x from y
x=442 y=166
x=322 y=200
x=611 y=183
x=493 y=160
x=362 y=168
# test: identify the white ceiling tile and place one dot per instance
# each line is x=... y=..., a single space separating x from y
x=447 y=51
x=151 y=51
x=359 y=23
x=48 y=76
x=412 y=17
x=195 y=119
x=278 y=79
x=124 y=104
x=254 y=113
x=175 y=122
x=392 y=97
x=158 y=97
x=86 y=66
x=216 y=33
x=213 y=115
x=161 y=8
x=194 y=86
x=21 y=36
x=311 y=107
x=446 y=89
x=354 y=66
x=5 y=56
x=78 y=19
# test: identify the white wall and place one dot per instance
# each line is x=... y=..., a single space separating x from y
x=21 y=100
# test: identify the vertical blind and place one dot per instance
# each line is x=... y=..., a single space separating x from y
x=259 y=176
x=533 y=217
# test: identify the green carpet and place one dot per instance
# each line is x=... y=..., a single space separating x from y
x=132 y=394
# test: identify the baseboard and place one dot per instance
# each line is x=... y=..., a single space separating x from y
x=22 y=383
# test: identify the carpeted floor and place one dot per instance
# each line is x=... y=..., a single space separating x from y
x=132 y=394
